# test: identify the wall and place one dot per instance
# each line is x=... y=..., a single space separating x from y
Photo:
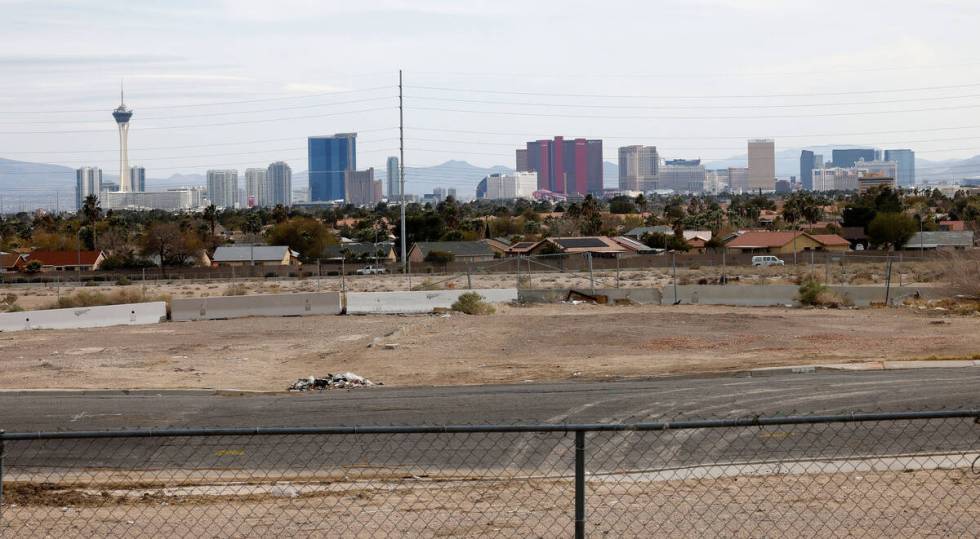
x=418 y=302
x=766 y=295
x=642 y=296
x=226 y=307
x=86 y=317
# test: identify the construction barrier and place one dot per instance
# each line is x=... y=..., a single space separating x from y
x=128 y=314
x=227 y=307
x=771 y=295
x=418 y=302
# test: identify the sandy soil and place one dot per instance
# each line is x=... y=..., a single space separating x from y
x=535 y=343
x=918 y=273
x=892 y=504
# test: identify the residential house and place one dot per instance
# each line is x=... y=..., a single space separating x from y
x=462 y=251
x=767 y=217
x=785 y=242
x=500 y=246
x=382 y=252
x=12 y=262
x=952 y=226
x=596 y=245
x=254 y=255
x=635 y=246
x=941 y=240
x=521 y=248
x=66 y=260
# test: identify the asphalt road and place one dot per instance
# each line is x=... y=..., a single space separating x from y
x=587 y=402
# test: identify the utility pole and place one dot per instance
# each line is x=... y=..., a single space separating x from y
x=401 y=167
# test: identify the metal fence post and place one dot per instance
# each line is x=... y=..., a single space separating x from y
x=579 y=484
x=588 y=257
x=1 y=473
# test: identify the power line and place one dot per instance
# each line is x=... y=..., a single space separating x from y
x=754 y=117
x=211 y=104
x=731 y=96
x=280 y=119
x=234 y=113
x=691 y=107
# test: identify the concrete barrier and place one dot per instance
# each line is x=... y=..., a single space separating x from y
x=128 y=314
x=418 y=302
x=770 y=295
x=642 y=296
x=226 y=307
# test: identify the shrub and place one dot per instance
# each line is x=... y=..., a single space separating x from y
x=426 y=285
x=123 y=281
x=237 y=289
x=33 y=266
x=439 y=257
x=472 y=303
x=962 y=273
x=810 y=291
x=85 y=298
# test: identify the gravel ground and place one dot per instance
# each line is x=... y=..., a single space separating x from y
x=536 y=343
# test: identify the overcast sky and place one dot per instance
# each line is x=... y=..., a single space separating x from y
x=693 y=77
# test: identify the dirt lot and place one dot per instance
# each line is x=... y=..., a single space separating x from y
x=926 y=273
x=893 y=504
x=535 y=343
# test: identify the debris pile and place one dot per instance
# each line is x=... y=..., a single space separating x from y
x=347 y=380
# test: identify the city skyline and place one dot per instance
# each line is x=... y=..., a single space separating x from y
x=682 y=111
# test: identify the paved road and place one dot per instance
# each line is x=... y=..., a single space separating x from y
x=702 y=397
x=692 y=397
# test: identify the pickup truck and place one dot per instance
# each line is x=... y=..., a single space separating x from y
x=371 y=270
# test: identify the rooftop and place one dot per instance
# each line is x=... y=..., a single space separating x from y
x=248 y=253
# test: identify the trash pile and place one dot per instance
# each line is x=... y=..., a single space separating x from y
x=347 y=380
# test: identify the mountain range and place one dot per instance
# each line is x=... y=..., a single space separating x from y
x=26 y=185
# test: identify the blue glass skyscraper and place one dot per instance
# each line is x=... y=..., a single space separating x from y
x=905 y=160
x=329 y=159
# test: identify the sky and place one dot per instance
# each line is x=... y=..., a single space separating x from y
x=241 y=83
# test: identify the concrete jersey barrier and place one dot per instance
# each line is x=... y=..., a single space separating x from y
x=127 y=314
x=418 y=302
x=769 y=295
x=227 y=307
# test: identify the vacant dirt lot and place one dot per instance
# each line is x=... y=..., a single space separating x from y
x=537 y=343
x=867 y=504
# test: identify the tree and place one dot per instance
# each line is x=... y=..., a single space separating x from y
x=891 y=230
x=440 y=257
x=171 y=244
x=92 y=212
x=308 y=236
x=670 y=242
x=591 y=217
x=641 y=203
x=802 y=206
x=280 y=214
x=211 y=216
x=622 y=204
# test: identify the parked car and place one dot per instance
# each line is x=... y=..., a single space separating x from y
x=372 y=270
x=766 y=261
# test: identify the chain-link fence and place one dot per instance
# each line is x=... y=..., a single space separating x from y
x=904 y=475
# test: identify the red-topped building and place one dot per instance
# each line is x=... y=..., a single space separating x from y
x=567 y=166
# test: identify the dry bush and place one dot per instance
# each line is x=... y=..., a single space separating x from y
x=237 y=289
x=427 y=285
x=962 y=274
x=472 y=303
x=85 y=298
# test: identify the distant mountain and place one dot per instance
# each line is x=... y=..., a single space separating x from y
x=452 y=174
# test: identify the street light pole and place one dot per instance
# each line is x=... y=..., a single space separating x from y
x=401 y=168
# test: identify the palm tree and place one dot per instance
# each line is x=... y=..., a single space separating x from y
x=92 y=212
x=211 y=216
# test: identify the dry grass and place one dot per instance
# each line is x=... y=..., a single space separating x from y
x=962 y=275
x=85 y=298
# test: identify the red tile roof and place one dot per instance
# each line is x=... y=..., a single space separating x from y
x=830 y=239
x=64 y=258
x=762 y=239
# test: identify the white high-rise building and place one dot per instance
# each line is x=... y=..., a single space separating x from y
x=507 y=186
x=638 y=168
x=88 y=181
x=122 y=116
x=762 y=165
x=878 y=168
x=256 y=190
x=223 y=188
x=280 y=181
x=836 y=179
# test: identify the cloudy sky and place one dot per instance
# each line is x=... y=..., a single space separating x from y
x=239 y=83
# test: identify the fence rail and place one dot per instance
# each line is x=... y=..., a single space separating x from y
x=895 y=474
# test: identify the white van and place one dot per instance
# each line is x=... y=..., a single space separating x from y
x=767 y=260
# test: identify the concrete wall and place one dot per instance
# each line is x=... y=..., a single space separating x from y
x=226 y=307
x=766 y=295
x=86 y=317
x=418 y=302
x=643 y=296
